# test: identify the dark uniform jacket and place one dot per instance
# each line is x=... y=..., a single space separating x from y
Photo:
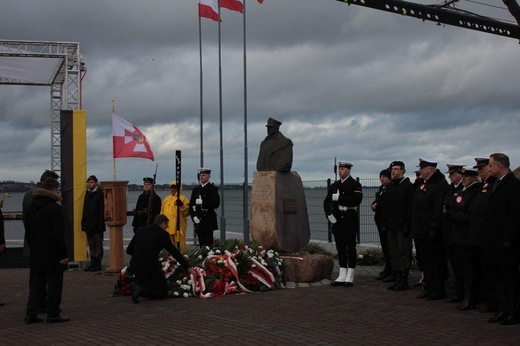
x=451 y=195
x=144 y=248
x=205 y=212
x=45 y=232
x=477 y=209
x=397 y=205
x=501 y=224
x=142 y=211
x=379 y=201
x=427 y=207
x=345 y=208
x=93 y=217
x=458 y=214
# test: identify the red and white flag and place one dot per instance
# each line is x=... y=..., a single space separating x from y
x=128 y=140
x=233 y=5
x=261 y=1
x=209 y=9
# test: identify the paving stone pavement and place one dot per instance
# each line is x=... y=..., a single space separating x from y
x=307 y=314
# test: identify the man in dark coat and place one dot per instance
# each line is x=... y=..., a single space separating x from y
x=93 y=222
x=203 y=202
x=501 y=238
x=426 y=223
x=397 y=223
x=45 y=234
x=341 y=209
x=377 y=207
x=144 y=248
x=143 y=213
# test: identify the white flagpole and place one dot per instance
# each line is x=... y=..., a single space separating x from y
x=246 y=184
x=222 y=209
x=113 y=158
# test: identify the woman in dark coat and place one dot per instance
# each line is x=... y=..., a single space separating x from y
x=45 y=234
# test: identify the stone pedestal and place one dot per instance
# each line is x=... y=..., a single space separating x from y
x=115 y=218
x=307 y=268
x=278 y=218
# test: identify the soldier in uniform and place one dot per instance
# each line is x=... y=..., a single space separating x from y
x=143 y=214
x=341 y=209
x=426 y=223
x=377 y=207
x=203 y=202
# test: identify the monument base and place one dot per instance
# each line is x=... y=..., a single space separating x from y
x=306 y=267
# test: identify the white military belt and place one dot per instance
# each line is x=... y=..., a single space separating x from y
x=344 y=208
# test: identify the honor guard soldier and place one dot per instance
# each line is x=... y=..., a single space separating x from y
x=143 y=213
x=203 y=202
x=341 y=209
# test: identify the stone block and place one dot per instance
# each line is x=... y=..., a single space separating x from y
x=307 y=268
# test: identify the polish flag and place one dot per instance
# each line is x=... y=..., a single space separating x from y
x=261 y=1
x=233 y=5
x=128 y=140
x=209 y=9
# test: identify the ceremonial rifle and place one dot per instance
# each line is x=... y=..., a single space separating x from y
x=178 y=182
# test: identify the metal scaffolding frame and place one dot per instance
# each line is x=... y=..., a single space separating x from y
x=62 y=65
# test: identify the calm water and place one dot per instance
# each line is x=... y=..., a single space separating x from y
x=233 y=214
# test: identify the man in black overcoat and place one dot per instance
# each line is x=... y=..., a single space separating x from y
x=501 y=238
x=144 y=214
x=203 y=202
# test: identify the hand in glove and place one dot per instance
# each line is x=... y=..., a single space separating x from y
x=332 y=219
x=335 y=196
x=196 y=220
x=179 y=202
x=198 y=201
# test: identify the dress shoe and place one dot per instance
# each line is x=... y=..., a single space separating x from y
x=436 y=296
x=138 y=292
x=381 y=277
x=453 y=299
x=389 y=278
x=57 y=319
x=337 y=283
x=466 y=306
x=349 y=284
x=510 y=320
x=32 y=319
x=422 y=295
x=499 y=316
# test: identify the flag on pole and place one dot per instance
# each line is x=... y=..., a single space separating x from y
x=233 y=5
x=261 y=1
x=209 y=9
x=128 y=140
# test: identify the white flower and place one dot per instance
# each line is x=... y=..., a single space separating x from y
x=178 y=282
x=190 y=282
x=175 y=293
x=185 y=295
x=199 y=257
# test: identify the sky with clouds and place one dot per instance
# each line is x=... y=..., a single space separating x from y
x=358 y=84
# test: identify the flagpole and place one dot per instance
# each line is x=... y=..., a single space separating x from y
x=201 y=98
x=246 y=184
x=113 y=156
x=222 y=208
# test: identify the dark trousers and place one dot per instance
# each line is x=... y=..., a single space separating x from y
x=487 y=283
x=346 y=247
x=507 y=280
x=383 y=239
x=41 y=284
x=400 y=248
x=95 y=244
x=433 y=263
x=153 y=283
x=205 y=237
x=467 y=271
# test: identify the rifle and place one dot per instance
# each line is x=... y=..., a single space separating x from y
x=150 y=199
x=335 y=170
x=178 y=182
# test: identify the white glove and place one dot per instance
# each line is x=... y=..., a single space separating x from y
x=335 y=196
x=331 y=218
x=198 y=201
x=196 y=220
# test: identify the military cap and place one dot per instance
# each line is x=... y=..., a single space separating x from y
x=454 y=167
x=481 y=162
x=345 y=164
x=468 y=170
x=426 y=163
x=203 y=170
x=396 y=163
x=273 y=122
x=148 y=180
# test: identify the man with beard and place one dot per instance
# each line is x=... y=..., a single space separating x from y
x=426 y=223
x=397 y=223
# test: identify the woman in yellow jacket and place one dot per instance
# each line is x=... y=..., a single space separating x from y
x=169 y=208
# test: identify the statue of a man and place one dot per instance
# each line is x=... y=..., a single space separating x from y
x=275 y=150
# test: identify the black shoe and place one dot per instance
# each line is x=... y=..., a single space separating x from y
x=422 y=295
x=510 y=320
x=390 y=278
x=136 y=295
x=453 y=299
x=466 y=306
x=89 y=267
x=32 y=319
x=488 y=308
x=349 y=284
x=436 y=296
x=381 y=277
x=337 y=283
x=499 y=317
x=57 y=319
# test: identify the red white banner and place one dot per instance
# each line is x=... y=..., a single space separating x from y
x=209 y=9
x=233 y=5
x=128 y=140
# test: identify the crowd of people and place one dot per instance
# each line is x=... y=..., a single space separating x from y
x=466 y=232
